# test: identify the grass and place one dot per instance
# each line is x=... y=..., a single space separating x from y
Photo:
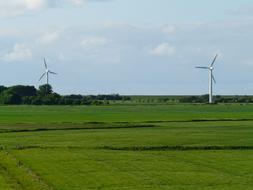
x=127 y=147
x=141 y=113
x=4 y=182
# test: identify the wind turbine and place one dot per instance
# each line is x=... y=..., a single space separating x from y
x=211 y=78
x=47 y=72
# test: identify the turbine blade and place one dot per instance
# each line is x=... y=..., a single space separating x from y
x=213 y=79
x=202 y=67
x=214 y=60
x=53 y=72
x=45 y=63
x=42 y=76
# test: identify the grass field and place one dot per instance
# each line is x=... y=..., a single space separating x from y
x=177 y=147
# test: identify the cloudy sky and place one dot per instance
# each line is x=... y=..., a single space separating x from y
x=128 y=46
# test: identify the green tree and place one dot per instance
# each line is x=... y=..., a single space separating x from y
x=2 y=88
x=45 y=90
x=23 y=91
x=10 y=98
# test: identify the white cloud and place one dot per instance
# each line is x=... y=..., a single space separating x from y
x=77 y=2
x=34 y=4
x=168 y=29
x=92 y=42
x=20 y=52
x=8 y=32
x=12 y=8
x=48 y=38
x=164 y=49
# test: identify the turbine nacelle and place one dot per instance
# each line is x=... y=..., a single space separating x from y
x=47 y=72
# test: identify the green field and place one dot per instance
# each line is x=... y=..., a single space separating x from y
x=138 y=147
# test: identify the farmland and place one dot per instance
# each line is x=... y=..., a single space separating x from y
x=180 y=146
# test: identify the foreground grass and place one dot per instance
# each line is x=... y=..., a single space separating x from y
x=82 y=169
x=164 y=149
x=4 y=183
x=76 y=159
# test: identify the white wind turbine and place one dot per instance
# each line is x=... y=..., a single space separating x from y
x=47 y=72
x=211 y=79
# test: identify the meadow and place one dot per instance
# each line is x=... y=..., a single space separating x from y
x=135 y=147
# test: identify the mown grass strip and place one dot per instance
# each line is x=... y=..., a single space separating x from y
x=22 y=175
x=176 y=148
x=196 y=120
x=33 y=127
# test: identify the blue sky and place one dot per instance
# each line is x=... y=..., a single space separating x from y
x=128 y=46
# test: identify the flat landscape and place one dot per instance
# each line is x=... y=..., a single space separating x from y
x=126 y=147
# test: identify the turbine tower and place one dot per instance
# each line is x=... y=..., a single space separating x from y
x=47 y=72
x=211 y=78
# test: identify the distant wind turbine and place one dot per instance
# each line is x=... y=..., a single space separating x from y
x=211 y=78
x=47 y=72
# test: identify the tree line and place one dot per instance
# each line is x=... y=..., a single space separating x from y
x=202 y=99
x=217 y=99
x=44 y=95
